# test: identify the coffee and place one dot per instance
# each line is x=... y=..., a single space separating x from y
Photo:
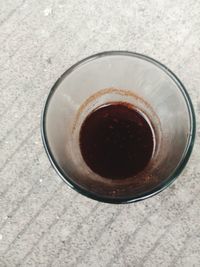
x=116 y=141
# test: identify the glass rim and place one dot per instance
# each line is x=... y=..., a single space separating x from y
x=171 y=178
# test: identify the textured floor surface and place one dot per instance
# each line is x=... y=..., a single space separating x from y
x=42 y=221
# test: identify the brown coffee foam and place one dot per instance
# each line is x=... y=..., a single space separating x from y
x=145 y=179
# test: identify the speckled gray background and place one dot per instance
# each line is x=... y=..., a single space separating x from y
x=42 y=221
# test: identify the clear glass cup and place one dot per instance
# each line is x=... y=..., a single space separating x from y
x=119 y=76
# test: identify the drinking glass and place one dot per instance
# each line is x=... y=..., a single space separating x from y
x=119 y=76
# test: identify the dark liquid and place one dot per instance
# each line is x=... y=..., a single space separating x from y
x=116 y=141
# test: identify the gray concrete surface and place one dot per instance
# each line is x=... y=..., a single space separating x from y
x=42 y=221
